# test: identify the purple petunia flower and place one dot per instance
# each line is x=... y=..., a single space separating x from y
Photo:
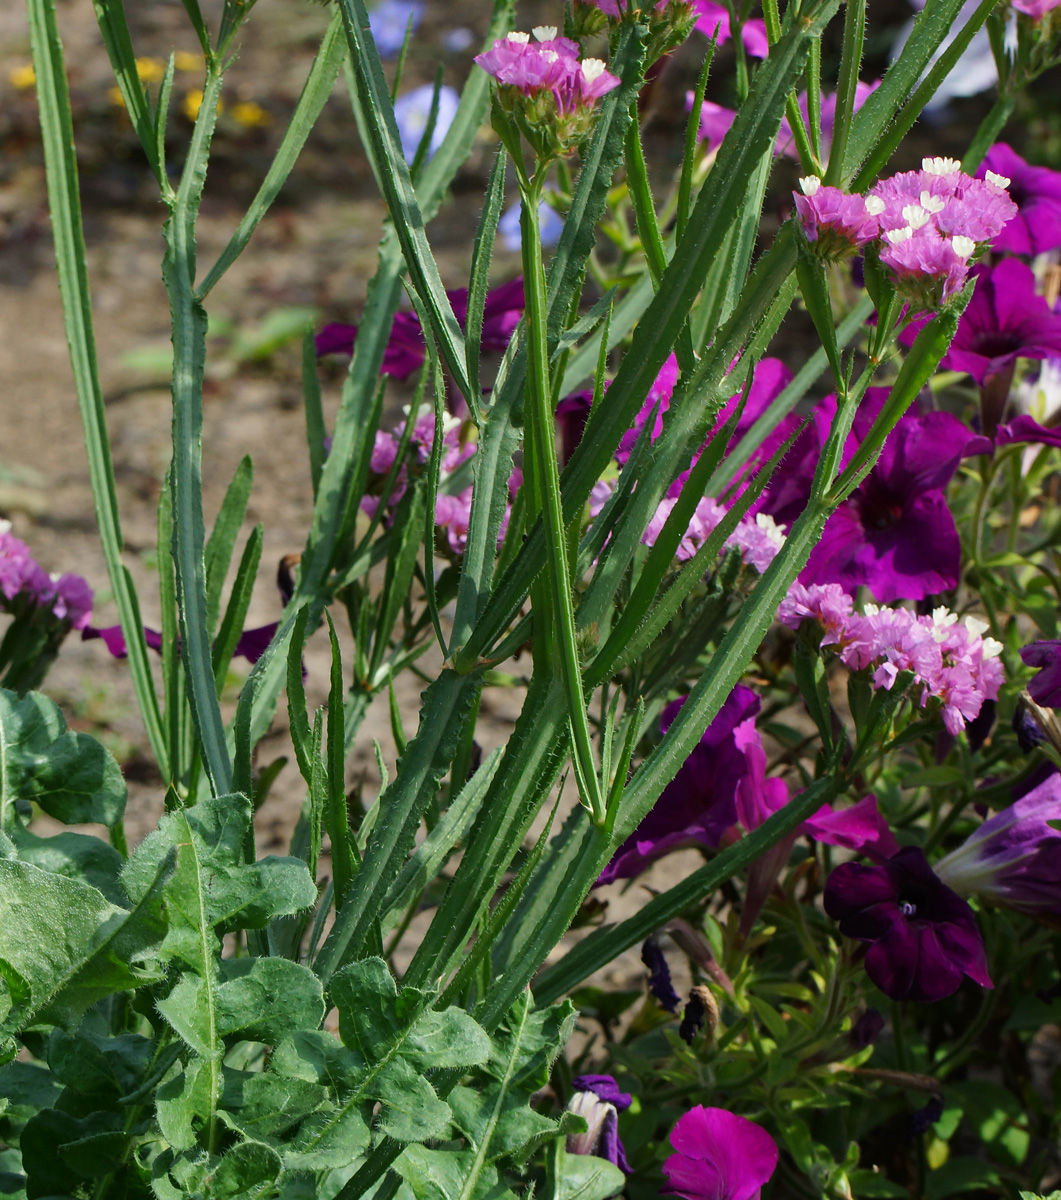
x=411 y=113
x=1036 y=191
x=699 y=803
x=405 y=349
x=895 y=535
x=786 y=143
x=1005 y=320
x=251 y=645
x=719 y=1156
x=1045 y=688
x=923 y=936
x=1036 y=9
x=713 y=21
x=550 y=225
x=1014 y=858
x=1021 y=429
x=390 y=20
x=659 y=976
x=598 y=1101
x=715 y=121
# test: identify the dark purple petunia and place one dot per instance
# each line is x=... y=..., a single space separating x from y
x=1045 y=688
x=1022 y=429
x=405 y=349
x=895 y=535
x=1037 y=193
x=1006 y=319
x=923 y=936
x=719 y=1156
x=866 y=1029
x=251 y=645
x=699 y=803
x=1014 y=858
x=598 y=1101
x=659 y=979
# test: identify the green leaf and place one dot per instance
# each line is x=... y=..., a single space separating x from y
x=75 y=856
x=584 y=1177
x=245 y=1171
x=70 y=775
x=103 y=1066
x=222 y=541
x=377 y=1020
x=213 y=891
x=960 y=1176
x=63 y=945
x=64 y=204
x=430 y=856
x=260 y=999
x=265 y=1105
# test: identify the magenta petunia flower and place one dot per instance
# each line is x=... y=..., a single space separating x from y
x=1014 y=858
x=922 y=936
x=1045 y=688
x=548 y=64
x=895 y=535
x=713 y=19
x=786 y=142
x=719 y=1156
x=715 y=121
x=251 y=645
x=1036 y=9
x=1021 y=429
x=405 y=349
x=1006 y=319
x=1036 y=191
x=699 y=803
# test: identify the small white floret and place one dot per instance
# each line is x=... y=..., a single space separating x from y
x=875 y=206
x=549 y=56
x=915 y=216
x=771 y=528
x=521 y=39
x=593 y=69
x=991 y=648
x=975 y=626
x=810 y=185
x=998 y=180
x=895 y=236
x=963 y=246
x=940 y=166
x=932 y=204
x=544 y=33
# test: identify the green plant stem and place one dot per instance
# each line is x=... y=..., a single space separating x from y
x=189 y=354
x=65 y=206
x=540 y=428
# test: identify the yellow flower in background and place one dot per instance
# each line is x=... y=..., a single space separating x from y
x=22 y=77
x=250 y=115
x=150 y=70
x=184 y=60
x=191 y=102
x=114 y=95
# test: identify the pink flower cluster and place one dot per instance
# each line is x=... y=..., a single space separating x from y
x=951 y=661
x=24 y=584
x=548 y=65
x=452 y=509
x=930 y=224
x=757 y=538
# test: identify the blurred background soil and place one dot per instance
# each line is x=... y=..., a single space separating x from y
x=310 y=259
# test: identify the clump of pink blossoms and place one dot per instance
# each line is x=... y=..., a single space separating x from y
x=930 y=224
x=757 y=538
x=25 y=585
x=547 y=87
x=951 y=661
x=838 y=224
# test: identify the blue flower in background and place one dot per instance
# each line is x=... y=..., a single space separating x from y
x=549 y=220
x=389 y=21
x=412 y=111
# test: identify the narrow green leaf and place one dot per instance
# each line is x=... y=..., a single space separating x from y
x=222 y=541
x=236 y=609
x=311 y=394
x=479 y=279
x=65 y=207
x=336 y=821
